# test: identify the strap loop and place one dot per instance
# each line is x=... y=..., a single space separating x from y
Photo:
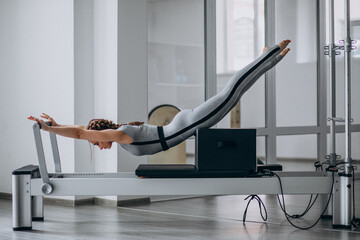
x=162 y=138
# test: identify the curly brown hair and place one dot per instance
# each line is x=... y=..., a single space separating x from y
x=102 y=124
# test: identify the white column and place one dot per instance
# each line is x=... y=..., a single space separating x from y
x=105 y=77
x=132 y=67
x=83 y=81
x=270 y=86
x=132 y=71
x=83 y=78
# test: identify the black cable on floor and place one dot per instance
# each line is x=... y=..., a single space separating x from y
x=283 y=208
x=261 y=206
x=309 y=206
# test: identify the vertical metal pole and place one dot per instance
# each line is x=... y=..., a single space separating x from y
x=256 y=29
x=322 y=95
x=347 y=68
x=332 y=86
x=342 y=192
x=322 y=74
x=270 y=85
x=55 y=151
x=210 y=48
x=47 y=187
x=40 y=153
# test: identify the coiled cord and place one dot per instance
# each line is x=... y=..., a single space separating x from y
x=261 y=206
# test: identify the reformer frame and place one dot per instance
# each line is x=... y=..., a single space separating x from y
x=31 y=183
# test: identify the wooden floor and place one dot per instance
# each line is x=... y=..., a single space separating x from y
x=213 y=217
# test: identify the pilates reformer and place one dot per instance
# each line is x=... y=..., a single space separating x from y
x=31 y=183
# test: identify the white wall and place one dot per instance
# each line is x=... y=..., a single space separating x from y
x=37 y=75
x=45 y=67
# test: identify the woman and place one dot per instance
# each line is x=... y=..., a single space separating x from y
x=144 y=139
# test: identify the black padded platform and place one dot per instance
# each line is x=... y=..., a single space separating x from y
x=186 y=171
x=28 y=169
x=190 y=171
x=165 y=170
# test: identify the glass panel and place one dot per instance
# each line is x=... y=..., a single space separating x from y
x=355 y=153
x=296 y=75
x=260 y=148
x=355 y=71
x=253 y=106
x=176 y=53
x=240 y=39
x=297 y=153
x=340 y=145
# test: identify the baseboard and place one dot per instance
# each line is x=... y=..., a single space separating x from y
x=88 y=201
x=85 y=201
x=281 y=159
x=60 y=202
x=133 y=202
x=7 y=196
x=57 y=201
x=105 y=202
x=69 y=202
x=97 y=201
x=122 y=203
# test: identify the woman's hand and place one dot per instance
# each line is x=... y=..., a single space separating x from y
x=51 y=120
x=41 y=122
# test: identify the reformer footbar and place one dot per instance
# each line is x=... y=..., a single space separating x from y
x=31 y=183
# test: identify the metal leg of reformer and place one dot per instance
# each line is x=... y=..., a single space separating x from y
x=21 y=202
x=342 y=201
x=37 y=208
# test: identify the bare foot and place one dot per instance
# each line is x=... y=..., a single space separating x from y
x=283 y=44
x=284 y=52
x=265 y=49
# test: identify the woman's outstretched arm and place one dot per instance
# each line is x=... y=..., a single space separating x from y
x=55 y=124
x=76 y=132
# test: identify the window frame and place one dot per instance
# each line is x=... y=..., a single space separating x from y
x=271 y=131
